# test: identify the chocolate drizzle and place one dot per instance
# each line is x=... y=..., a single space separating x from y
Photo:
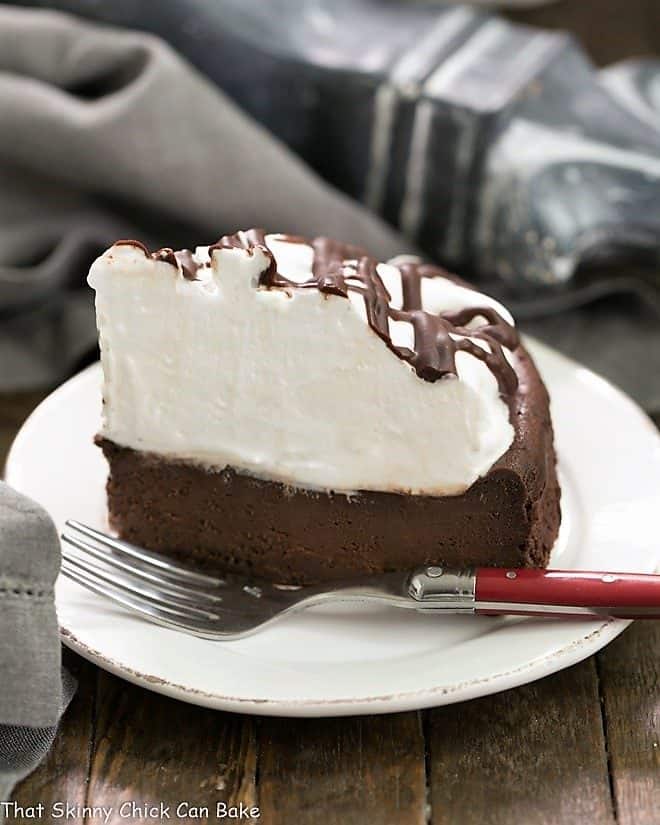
x=341 y=269
x=250 y=240
x=182 y=260
x=137 y=244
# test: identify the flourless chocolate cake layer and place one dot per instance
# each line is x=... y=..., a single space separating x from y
x=228 y=521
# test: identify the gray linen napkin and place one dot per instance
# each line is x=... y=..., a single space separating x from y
x=108 y=133
x=32 y=692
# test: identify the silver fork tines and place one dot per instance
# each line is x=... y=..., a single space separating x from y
x=140 y=555
x=170 y=594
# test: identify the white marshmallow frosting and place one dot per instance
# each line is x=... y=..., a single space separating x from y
x=288 y=385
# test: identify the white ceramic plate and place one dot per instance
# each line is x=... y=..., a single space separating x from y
x=332 y=661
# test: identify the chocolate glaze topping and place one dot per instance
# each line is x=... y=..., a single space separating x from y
x=339 y=269
x=250 y=240
x=137 y=244
x=181 y=260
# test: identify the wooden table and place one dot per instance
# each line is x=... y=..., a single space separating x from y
x=581 y=746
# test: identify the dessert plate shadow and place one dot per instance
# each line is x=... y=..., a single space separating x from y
x=333 y=660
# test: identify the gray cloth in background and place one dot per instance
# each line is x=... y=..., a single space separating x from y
x=106 y=134
x=32 y=695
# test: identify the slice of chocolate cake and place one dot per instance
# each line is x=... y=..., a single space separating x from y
x=295 y=410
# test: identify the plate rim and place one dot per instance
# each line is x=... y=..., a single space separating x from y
x=566 y=656
x=597 y=635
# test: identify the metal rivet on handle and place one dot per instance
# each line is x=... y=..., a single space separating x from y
x=434 y=572
x=511 y=574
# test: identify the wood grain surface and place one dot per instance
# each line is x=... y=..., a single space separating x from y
x=629 y=674
x=581 y=746
x=535 y=755
x=157 y=751
x=369 y=769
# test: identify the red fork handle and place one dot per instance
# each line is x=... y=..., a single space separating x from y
x=533 y=591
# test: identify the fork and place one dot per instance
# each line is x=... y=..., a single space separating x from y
x=232 y=607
